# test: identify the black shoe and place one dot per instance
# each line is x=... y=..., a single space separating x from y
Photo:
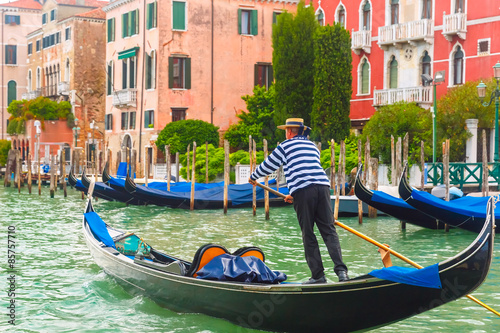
x=343 y=276
x=312 y=281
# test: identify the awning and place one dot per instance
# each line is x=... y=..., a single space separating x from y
x=128 y=53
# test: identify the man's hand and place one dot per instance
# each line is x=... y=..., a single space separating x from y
x=251 y=181
x=289 y=199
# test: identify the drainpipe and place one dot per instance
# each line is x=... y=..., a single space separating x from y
x=143 y=83
x=3 y=90
x=212 y=70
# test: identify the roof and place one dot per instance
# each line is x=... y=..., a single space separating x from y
x=96 y=13
x=86 y=3
x=28 y=4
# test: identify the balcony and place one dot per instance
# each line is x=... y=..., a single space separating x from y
x=63 y=88
x=32 y=94
x=125 y=97
x=361 y=40
x=406 y=33
x=419 y=95
x=454 y=25
x=50 y=90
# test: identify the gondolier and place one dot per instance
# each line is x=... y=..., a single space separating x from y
x=309 y=190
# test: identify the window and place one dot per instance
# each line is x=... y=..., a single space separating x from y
x=10 y=54
x=111 y=30
x=67 y=70
x=30 y=48
x=179 y=114
x=130 y=23
x=178 y=15
x=393 y=73
x=275 y=17
x=179 y=73
x=128 y=72
x=366 y=16
x=110 y=78
x=108 y=122
x=51 y=40
x=67 y=33
x=151 y=70
x=394 y=12
x=247 y=22
x=38 y=45
x=12 y=19
x=30 y=83
x=124 y=120
x=263 y=75
x=11 y=91
x=458 y=67
x=427 y=9
x=149 y=119
x=44 y=18
x=38 y=78
x=341 y=16
x=320 y=16
x=426 y=67
x=53 y=15
x=365 y=78
x=151 y=15
x=132 y=120
x=459 y=6
x=483 y=46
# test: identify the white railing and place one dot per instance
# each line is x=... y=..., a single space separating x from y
x=31 y=94
x=454 y=24
x=422 y=95
x=361 y=39
x=405 y=32
x=63 y=88
x=125 y=97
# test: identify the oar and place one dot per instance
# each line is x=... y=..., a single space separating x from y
x=382 y=246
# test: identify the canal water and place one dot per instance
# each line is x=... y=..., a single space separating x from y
x=59 y=288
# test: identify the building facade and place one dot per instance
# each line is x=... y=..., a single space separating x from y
x=186 y=59
x=396 y=42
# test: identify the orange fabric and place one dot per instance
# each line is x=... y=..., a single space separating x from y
x=253 y=253
x=208 y=255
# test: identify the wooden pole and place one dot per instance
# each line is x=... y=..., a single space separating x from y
x=146 y=165
x=193 y=177
x=29 y=173
x=337 y=188
x=187 y=162
x=206 y=162
x=177 y=167
x=266 y=193
x=39 y=171
x=405 y=149
x=393 y=163
x=342 y=147
x=422 y=166
x=226 y=175
x=169 y=169
x=254 y=194
x=278 y=174
x=63 y=173
x=372 y=212
x=332 y=164
x=486 y=186
x=445 y=176
x=52 y=178
x=360 y=203
x=398 y=161
x=18 y=170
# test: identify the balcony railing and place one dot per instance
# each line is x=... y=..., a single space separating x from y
x=409 y=32
x=454 y=25
x=125 y=97
x=63 y=88
x=50 y=90
x=32 y=94
x=361 y=40
x=420 y=95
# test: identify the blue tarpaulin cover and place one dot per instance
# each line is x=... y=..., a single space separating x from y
x=99 y=229
x=227 y=267
x=426 y=277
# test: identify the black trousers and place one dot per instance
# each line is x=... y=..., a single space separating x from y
x=313 y=205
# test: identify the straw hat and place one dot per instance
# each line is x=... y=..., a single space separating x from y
x=294 y=122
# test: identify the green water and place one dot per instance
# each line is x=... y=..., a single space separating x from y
x=59 y=288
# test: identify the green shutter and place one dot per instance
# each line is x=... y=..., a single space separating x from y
x=155 y=14
x=394 y=74
x=187 y=78
x=148 y=71
x=255 y=75
x=11 y=92
x=124 y=25
x=239 y=21
x=170 y=72
x=179 y=15
x=136 y=21
x=274 y=17
x=254 y=23
x=14 y=61
x=149 y=16
x=146 y=119
x=124 y=74
x=365 y=78
x=110 y=80
x=131 y=23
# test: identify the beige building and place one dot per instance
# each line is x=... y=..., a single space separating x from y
x=182 y=59
x=18 y=19
x=66 y=62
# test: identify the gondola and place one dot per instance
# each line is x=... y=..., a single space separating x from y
x=239 y=196
x=358 y=304
x=395 y=207
x=79 y=185
x=467 y=213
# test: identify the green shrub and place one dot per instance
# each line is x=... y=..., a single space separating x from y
x=179 y=134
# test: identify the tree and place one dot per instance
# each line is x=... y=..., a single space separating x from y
x=332 y=83
x=293 y=58
x=179 y=134
x=4 y=151
x=257 y=122
x=397 y=120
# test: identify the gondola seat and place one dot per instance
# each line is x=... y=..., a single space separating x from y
x=203 y=256
x=248 y=251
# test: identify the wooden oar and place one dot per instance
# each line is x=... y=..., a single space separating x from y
x=382 y=246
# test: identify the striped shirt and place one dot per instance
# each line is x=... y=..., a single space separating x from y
x=301 y=163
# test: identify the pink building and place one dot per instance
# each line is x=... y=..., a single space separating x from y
x=173 y=60
x=17 y=20
x=395 y=42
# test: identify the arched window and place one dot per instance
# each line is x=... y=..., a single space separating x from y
x=426 y=67
x=341 y=15
x=458 y=67
x=393 y=73
x=320 y=16
x=30 y=87
x=66 y=71
x=38 y=78
x=11 y=91
x=366 y=15
x=394 y=12
x=364 y=80
x=426 y=9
